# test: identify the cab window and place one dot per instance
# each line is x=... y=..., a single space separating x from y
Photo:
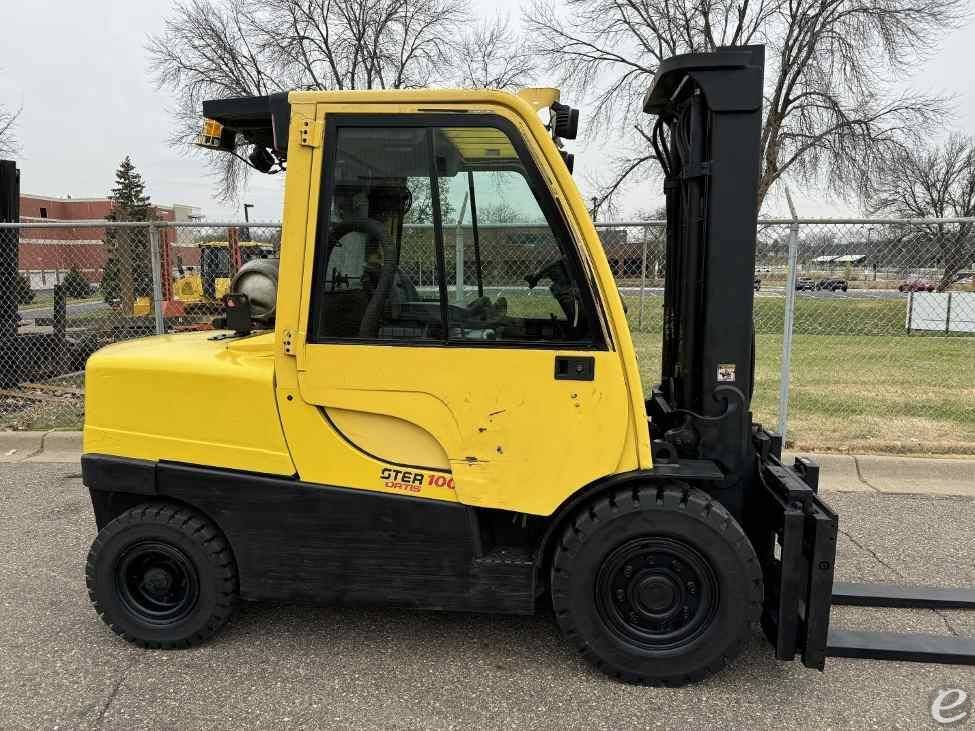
x=442 y=234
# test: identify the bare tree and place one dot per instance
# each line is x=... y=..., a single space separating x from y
x=8 y=141
x=208 y=51
x=493 y=56
x=225 y=48
x=930 y=181
x=828 y=112
x=359 y=44
x=500 y=212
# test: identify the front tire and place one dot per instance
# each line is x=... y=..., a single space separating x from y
x=656 y=585
x=162 y=576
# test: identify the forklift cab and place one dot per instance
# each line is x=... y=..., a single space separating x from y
x=436 y=263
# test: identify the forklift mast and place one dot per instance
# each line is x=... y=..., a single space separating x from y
x=707 y=139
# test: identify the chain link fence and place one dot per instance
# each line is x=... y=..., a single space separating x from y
x=79 y=286
x=882 y=355
x=864 y=328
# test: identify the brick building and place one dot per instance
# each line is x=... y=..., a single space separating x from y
x=46 y=254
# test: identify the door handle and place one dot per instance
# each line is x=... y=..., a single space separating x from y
x=575 y=368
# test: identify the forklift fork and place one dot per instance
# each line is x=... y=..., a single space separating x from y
x=895 y=645
x=795 y=538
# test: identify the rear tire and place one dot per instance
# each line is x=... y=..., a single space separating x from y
x=162 y=576
x=656 y=585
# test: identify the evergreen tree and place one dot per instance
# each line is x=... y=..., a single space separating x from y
x=75 y=285
x=128 y=272
x=130 y=202
x=24 y=294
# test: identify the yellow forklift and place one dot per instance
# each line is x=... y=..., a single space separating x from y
x=385 y=441
x=201 y=289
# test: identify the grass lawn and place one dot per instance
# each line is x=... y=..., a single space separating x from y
x=862 y=393
x=859 y=383
x=45 y=300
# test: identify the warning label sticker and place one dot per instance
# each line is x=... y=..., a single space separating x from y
x=726 y=372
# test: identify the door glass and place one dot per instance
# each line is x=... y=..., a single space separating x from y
x=508 y=271
x=507 y=264
x=374 y=279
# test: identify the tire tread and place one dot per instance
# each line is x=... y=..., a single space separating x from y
x=190 y=523
x=635 y=500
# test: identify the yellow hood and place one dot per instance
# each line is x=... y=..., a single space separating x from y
x=187 y=398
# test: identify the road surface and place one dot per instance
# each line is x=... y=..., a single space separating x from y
x=286 y=666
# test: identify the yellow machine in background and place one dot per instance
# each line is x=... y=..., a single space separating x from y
x=202 y=288
x=210 y=281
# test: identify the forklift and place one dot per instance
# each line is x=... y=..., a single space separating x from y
x=201 y=291
x=382 y=442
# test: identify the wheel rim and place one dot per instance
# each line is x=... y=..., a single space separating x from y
x=657 y=593
x=157 y=582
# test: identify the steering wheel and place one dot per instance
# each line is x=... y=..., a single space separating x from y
x=371 y=229
x=562 y=288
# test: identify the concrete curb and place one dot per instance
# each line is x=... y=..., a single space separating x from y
x=888 y=475
x=16 y=446
x=878 y=474
x=40 y=446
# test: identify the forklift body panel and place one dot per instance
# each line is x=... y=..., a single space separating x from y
x=186 y=398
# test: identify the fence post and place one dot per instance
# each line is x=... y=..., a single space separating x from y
x=459 y=295
x=157 y=289
x=9 y=248
x=643 y=277
x=59 y=328
x=459 y=266
x=788 y=322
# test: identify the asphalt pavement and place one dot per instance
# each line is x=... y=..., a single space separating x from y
x=281 y=666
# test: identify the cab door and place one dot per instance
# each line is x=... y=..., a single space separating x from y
x=453 y=343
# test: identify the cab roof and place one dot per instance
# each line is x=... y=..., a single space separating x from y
x=264 y=120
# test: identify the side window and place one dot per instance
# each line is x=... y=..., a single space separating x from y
x=440 y=233
x=369 y=280
x=510 y=274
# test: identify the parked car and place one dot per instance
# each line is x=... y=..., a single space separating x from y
x=805 y=283
x=758 y=283
x=833 y=284
x=917 y=285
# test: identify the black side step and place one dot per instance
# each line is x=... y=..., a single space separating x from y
x=906 y=647
x=901 y=597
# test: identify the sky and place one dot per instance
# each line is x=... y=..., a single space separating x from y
x=79 y=72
